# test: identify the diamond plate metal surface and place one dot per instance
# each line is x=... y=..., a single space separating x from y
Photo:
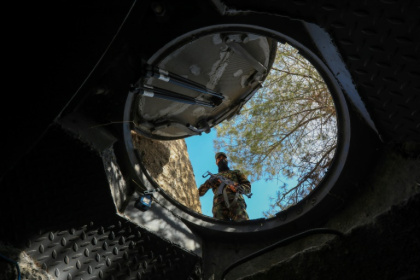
x=63 y=216
x=118 y=250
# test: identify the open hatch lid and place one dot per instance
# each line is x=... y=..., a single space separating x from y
x=198 y=84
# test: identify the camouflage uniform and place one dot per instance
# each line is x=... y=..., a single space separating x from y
x=236 y=212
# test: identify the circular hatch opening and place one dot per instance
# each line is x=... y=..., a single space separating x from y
x=274 y=104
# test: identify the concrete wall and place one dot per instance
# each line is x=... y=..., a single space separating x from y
x=380 y=226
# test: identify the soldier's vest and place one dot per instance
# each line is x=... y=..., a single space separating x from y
x=228 y=196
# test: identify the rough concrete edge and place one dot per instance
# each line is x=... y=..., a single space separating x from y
x=29 y=268
x=184 y=238
x=314 y=249
x=389 y=159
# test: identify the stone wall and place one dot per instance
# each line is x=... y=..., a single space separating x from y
x=169 y=164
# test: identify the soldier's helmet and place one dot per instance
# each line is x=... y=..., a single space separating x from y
x=219 y=154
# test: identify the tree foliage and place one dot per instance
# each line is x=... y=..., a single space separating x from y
x=287 y=132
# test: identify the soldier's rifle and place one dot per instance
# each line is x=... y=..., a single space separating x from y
x=225 y=182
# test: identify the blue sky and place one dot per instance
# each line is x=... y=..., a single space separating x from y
x=201 y=152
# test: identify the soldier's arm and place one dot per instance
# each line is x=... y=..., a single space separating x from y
x=244 y=182
x=204 y=188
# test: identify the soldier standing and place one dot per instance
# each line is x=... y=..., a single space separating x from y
x=230 y=205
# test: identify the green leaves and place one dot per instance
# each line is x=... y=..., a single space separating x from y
x=287 y=130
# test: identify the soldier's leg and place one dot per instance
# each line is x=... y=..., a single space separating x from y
x=220 y=211
x=238 y=211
